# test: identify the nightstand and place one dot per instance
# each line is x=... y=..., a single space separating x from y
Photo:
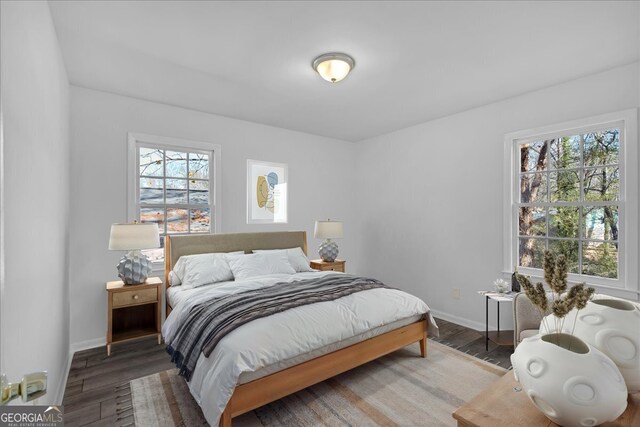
x=337 y=265
x=133 y=311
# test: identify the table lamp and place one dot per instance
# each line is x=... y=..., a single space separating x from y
x=328 y=230
x=134 y=267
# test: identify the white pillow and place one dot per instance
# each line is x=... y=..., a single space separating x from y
x=174 y=280
x=244 y=267
x=297 y=258
x=192 y=271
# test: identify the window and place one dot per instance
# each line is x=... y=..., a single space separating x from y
x=571 y=193
x=172 y=185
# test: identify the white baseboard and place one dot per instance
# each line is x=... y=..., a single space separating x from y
x=85 y=345
x=458 y=320
x=66 y=367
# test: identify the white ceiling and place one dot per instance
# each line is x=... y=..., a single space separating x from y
x=415 y=61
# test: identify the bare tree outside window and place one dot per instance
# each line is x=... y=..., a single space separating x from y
x=569 y=195
x=174 y=192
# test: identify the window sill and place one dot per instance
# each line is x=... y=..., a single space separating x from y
x=624 y=292
x=157 y=266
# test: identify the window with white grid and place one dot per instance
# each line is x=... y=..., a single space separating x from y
x=569 y=200
x=173 y=186
x=572 y=189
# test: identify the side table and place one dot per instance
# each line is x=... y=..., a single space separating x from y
x=499 y=337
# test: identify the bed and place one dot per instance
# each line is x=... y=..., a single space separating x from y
x=240 y=376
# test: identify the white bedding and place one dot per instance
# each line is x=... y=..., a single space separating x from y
x=267 y=345
x=176 y=294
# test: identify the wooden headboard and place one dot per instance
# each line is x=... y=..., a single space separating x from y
x=177 y=246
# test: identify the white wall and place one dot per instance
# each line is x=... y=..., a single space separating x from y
x=320 y=185
x=430 y=196
x=402 y=224
x=35 y=106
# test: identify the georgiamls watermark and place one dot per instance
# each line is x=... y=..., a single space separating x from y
x=32 y=416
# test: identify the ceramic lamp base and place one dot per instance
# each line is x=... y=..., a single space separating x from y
x=328 y=251
x=134 y=268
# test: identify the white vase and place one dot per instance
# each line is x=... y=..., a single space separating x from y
x=613 y=327
x=576 y=387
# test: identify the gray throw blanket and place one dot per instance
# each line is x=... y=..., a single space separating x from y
x=210 y=321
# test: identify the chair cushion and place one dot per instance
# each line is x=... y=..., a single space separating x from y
x=528 y=333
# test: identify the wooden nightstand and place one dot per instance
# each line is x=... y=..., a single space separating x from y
x=133 y=311
x=337 y=265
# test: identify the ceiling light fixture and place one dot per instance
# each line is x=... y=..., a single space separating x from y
x=333 y=67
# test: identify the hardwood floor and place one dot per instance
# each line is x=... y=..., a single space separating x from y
x=98 y=392
x=472 y=342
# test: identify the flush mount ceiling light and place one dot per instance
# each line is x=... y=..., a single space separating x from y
x=333 y=67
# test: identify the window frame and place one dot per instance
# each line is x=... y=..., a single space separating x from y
x=627 y=122
x=167 y=143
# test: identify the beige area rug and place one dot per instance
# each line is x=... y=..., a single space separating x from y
x=400 y=389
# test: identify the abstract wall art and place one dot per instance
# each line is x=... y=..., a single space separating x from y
x=266 y=192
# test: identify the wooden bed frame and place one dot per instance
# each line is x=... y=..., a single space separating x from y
x=249 y=396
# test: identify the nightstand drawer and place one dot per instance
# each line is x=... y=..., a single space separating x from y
x=133 y=297
x=337 y=265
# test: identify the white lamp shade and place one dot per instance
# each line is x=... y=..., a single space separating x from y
x=126 y=237
x=333 y=67
x=333 y=70
x=328 y=230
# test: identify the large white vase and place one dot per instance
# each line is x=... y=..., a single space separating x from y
x=613 y=327
x=577 y=387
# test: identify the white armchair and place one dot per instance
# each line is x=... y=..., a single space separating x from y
x=526 y=318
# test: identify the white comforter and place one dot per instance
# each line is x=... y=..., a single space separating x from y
x=288 y=335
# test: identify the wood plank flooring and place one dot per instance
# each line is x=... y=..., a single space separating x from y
x=98 y=392
x=472 y=342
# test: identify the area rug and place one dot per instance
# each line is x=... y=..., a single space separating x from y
x=400 y=389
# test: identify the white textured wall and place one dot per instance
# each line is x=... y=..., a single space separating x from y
x=35 y=106
x=430 y=197
x=320 y=185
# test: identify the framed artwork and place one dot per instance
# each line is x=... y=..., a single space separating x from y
x=266 y=192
